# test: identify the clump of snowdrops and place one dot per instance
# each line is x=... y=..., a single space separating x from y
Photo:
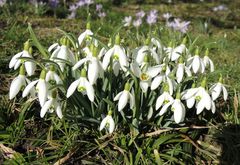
x=113 y=84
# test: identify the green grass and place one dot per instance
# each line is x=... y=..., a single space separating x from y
x=45 y=141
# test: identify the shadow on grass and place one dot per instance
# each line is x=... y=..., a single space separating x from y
x=229 y=139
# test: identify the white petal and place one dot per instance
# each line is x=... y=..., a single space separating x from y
x=81 y=37
x=117 y=97
x=190 y=102
x=156 y=82
x=122 y=57
x=132 y=100
x=123 y=100
x=211 y=66
x=72 y=88
x=45 y=107
x=225 y=93
x=28 y=88
x=111 y=124
x=164 y=108
x=52 y=47
x=200 y=106
x=207 y=100
x=213 y=107
x=141 y=54
x=116 y=67
x=187 y=70
x=16 y=86
x=160 y=101
x=90 y=90
x=93 y=71
x=79 y=63
x=153 y=71
x=190 y=93
x=144 y=86
x=155 y=56
x=170 y=85
x=14 y=59
x=59 y=110
x=215 y=92
x=103 y=123
x=135 y=69
x=107 y=57
x=196 y=64
x=55 y=53
x=180 y=72
x=42 y=91
x=57 y=78
x=179 y=113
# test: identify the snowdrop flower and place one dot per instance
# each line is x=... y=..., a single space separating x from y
x=51 y=105
x=85 y=35
x=82 y=85
x=41 y=88
x=30 y=67
x=62 y=53
x=152 y=17
x=124 y=97
x=179 y=50
x=201 y=97
x=207 y=61
x=164 y=98
x=94 y=66
x=127 y=21
x=145 y=75
x=17 y=83
x=108 y=122
x=145 y=50
x=140 y=14
x=162 y=77
x=118 y=54
x=177 y=107
x=53 y=77
x=181 y=69
x=217 y=88
x=196 y=63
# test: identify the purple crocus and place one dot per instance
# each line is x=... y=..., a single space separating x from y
x=80 y=3
x=178 y=25
x=99 y=7
x=152 y=17
x=2 y=2
x=140 y=14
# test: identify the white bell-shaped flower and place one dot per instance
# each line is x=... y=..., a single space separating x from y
x=95 y=69
x=53 y=77
x=51 y=105
x=207 y=61
x=18 y=83
x=118 y=54
x=181 y=69
x=146 y=50
x=83 y=86
x=30 y=67
x=108 y=122
x=164 y=98
x=62 y=54
x=41 y=88
x=86 y=35
x=177 y=107
x=217 y=88
x=145 y=75
x=179 y=50
x=202 y=98
x=124 y=97
x=196 y=63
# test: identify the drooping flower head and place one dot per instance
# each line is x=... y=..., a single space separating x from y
x=108 y=122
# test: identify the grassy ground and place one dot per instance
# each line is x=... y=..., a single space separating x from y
x=33 y=138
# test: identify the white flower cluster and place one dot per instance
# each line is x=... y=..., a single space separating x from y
x=171 y=72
